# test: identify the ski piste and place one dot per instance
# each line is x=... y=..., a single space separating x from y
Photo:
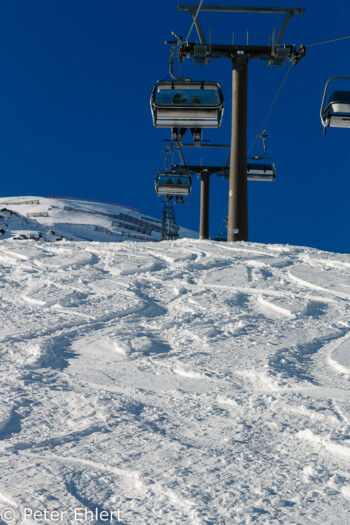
x=174 y=382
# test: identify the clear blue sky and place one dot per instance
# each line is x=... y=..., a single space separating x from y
x=75 y=119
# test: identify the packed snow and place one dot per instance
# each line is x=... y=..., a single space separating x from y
x=179 y=382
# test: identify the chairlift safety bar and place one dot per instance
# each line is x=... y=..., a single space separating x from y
x=200 y=145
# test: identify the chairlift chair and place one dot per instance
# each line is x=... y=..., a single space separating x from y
x=337 y=112
x=187 y=104
x=173 y=182
x=261 y=167
x=263 y=171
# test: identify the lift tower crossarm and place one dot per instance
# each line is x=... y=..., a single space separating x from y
x=242 y=9
x=288 y=11
x=231 y=51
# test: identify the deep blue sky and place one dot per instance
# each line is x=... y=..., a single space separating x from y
x=75 y=119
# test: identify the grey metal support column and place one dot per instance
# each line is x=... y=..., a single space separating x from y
x=237 y=222
x=204 y=213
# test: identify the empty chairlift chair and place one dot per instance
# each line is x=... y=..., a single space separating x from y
x=177 y=183
x=336 y=114
x=187 y=104
x=261 y=167
x=264 y=170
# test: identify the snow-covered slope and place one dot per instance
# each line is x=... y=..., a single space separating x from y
x=51 y=219
x=171 y=383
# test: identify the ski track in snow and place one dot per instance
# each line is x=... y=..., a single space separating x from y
x=180 y=382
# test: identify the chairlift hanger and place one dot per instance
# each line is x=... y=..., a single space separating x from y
x=337 y=112
x=170 y=149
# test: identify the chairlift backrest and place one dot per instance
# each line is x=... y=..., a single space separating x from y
x=339 y=97
x=263 y=171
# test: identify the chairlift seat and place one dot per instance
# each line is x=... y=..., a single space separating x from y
x=263 y=171
x=337 y=111
x=187 y=104
x=173 y=183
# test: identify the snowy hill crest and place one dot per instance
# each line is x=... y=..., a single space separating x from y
x=52 y=219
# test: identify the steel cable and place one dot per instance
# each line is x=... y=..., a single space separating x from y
x=194 y=20
x=327 y=41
